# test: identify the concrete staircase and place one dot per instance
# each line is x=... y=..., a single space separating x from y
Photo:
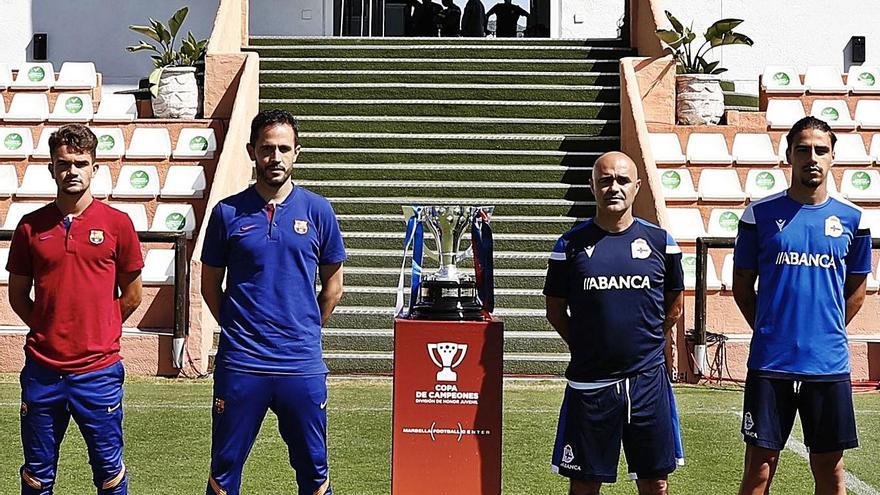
x=389 y=122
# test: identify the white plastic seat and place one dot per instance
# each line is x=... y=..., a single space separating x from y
x=764 y=182
x=102 y=182
x=689 y=267
x=28 y=107
x=871 y=283
x=850 y=150
x=724 y=222
x=720 y=185
x=782 y=114
x=137 y=181
x=116 y=108
x=16 y=142
x=5 y=76
x=111 y=142
x=35 y=76
x=685 y=224
x=868 y=114
x=871 y=218
x=727 y=272
x=863 y=79
x=73 y=107
x=42 y=149
x=666 y=148
x=77 y=75
x=831 y=184
x=875 y=147
x=137 y=212
x=861 y=184
x=753 y=149
x=783 y=148
x=4 y=258
x=8 y=180
x=174 y=217
x=195 y=144
x=781 y=79
x=158 y=267
x=2 y=107
x=677 y=184
x=37 y=183
x=184 y=181
x=149 y=143
x=824 y=79
x=18 y=209
x=834 y=112
x=710 y=147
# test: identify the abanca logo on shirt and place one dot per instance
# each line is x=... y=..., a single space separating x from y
x=617 y=282
x=806 y=259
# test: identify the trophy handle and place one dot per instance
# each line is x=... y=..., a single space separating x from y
x=463 y=348
x=431 y=348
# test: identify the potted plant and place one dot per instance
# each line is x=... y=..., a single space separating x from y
x=173 y=82
x=699 y=98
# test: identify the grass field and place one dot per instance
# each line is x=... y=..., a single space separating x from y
x=167 y=427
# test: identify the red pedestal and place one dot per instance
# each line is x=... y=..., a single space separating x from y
x=447 y=409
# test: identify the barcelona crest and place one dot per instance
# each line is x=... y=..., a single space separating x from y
x=300 y=226
x=96 y=236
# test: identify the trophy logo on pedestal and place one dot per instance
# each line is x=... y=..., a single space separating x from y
x=447 y=361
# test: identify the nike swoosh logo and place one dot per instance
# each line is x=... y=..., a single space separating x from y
x=111 y=409
x=44 y=237
x=245 y=228
x=323 y=405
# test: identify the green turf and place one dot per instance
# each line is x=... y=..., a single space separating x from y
x=443 y=110
x=571 y=143
x=607 y=129
x=445 y=78
x=167 y=429
x=503 y=94
x=445 y=52
x=464 y=191
x=586 y=66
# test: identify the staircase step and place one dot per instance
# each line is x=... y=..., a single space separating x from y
x=450 y=64
x=500 y=224
x=415 y=41
x=311 y=76
x=502 y=242
x=508 y=93
x=456 y=125
x=448 y=108
x=382 y=362
x=452 y=190
x=444 y=51
x=382 y=340
x=388 y=277
x=532 y=144
x=393 y=205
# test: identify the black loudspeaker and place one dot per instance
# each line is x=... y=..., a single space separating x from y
x=41 y=46
x=857 y=47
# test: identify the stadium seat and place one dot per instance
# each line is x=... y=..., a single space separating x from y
x=824 y=79
x=754 y=149
x=137 y=181
x=2 y=109
x=720 y=185
x=72 y=107
x=724 y=222
x=16 y=142
x=666 y=148
x=184 y=181
x=37 y=183
x=111 y=142
x=77 y=75
x=35 y=76
x=850 y=150
x=781 y=79
x=137 y=212
x=174 y=217
x=875 y=147
x=861 y=184
x=8 y=180
x=689 y=266
x=195 y=144
x=764 y=182
x=685 y=224
x=42 y=149
x=868 y=114
x=158 y=267
x=831 y=184
x=116 y=108
x=28 y=107
x=834 y=112
x=102 y=182
x=871 y=284
x=863 y=79
x=5 y=76
x=18 y=209
x=871 y=217
x=4 y=258
x=782 y=114
x=149 y=143
x=677 y=184
x=727 y=272
x=705 y=148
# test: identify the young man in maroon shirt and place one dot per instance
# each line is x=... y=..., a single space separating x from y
x=75 y=252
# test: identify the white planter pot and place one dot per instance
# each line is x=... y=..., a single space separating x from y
x=177 y=94
x=698 y=99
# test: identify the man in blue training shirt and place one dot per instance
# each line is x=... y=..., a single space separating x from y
x=614 y=293
x=811 y=254
x=269 y=241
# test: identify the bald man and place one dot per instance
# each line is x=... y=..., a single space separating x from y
x=614 y=293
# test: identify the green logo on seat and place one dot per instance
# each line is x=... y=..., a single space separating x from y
x=781 y=79
x=106 y=142
x=74 y=104
x=198 y=143
x=830 y=113
x=867 y=79
x=689 y=265
x=765 y=181
x=13 y=141
x=175 y=221
x=670 y=179
x=861 y=180
x=139 y=179
x=36 y=74
x=728 y=221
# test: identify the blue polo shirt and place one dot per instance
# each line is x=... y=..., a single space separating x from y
x=270 y=319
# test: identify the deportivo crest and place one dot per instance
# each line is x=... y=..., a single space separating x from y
x=567 y=454
x=219 y=406
x=96 y=236
x=833 y=227
x=300 y=226
x=748 y=422
x=640 y=249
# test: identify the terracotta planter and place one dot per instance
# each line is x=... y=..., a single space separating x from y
x=699 y=99
x=177 y=94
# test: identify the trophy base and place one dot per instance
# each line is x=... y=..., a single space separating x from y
x=448 y=300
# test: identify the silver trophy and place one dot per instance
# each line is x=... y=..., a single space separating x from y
x=448 y=295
